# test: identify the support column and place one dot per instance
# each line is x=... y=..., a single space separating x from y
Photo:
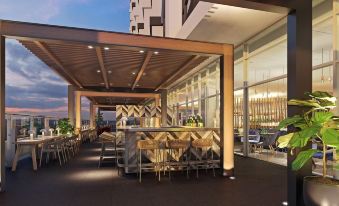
x=299 y=81
x=164 y=107
x=91 y=116
x=335 y=17
x=77 y=111
x=2 y=114
x=245 y=101
x=227 y=111
x=71 y=104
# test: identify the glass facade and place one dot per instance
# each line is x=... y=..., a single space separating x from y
x=260 y=74
x=198 y=95
x=263 y=60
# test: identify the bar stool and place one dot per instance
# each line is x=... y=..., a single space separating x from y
x=178 y=151
x=107 y=147
x=204 y=145
x=148 y=145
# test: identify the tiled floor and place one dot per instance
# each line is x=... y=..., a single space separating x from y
x=80 y=182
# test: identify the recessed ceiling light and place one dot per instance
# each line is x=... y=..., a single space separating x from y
x=156 y=52
x=137 y=85
x=129 y=84
x=144 y=74
x=285 y=203
x=142 y=51
x=106 y=48
x=90 y=47
x=102 y=83
x=98 y=71
x=133 y=73
x=109 y=72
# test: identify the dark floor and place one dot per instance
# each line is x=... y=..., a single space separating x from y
x=80 y=182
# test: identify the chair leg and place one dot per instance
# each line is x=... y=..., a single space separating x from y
x=41 y=152
x=159 y=160
x=212 y=162
x=206 y=161
x=101 y=153
x=197 y=167
x=140 y=165
x=58 y=152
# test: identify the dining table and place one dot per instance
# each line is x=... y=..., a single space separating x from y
x=32 y=143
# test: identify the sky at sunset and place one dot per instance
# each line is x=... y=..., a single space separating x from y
x=31 y=87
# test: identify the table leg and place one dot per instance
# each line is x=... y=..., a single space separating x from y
x=34 y=158
x=16 y=157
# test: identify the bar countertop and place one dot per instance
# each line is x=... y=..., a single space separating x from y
x=165 y=129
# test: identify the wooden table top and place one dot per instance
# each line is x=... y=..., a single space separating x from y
x=40 y=139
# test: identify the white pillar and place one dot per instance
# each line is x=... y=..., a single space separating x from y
x=336 y=52
x=227 y=111
x=71 y=103
x=2 y=113
x=10 y=144
x=77 y=111
x=173 y=17
x=91 y=116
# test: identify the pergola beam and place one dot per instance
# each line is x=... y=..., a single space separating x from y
x=36 y=32
x=102 y=66
x=118 y=94
x=142 y=69
x=181 y=69
x=56 y=61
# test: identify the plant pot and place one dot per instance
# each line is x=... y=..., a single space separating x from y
x=320 y=191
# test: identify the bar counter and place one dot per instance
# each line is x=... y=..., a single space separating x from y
x=132 y=134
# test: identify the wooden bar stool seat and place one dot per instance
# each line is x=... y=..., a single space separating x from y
x=204 y=145
x=153 y=148
x=178 y=151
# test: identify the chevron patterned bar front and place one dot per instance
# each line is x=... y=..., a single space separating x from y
x=133 y=134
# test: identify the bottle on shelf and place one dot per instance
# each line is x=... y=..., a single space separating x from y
x=200 y=122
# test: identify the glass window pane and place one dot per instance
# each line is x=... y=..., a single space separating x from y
x=211 y=116
x=196 y=91
x=323 y=79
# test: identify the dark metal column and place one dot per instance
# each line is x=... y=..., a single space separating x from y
x=246 y=117
x=2 y=113
x=299 y=81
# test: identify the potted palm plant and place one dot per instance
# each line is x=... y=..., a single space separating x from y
x=316 y=124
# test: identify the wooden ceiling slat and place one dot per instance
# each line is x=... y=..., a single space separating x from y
x=142 y=69
x=102 y=66
x=82 y=62
x=45 y=49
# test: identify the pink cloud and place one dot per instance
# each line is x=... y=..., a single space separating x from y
x=35 y=110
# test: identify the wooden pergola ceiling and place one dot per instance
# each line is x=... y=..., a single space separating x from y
x=114 y=66
x=112 y=62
